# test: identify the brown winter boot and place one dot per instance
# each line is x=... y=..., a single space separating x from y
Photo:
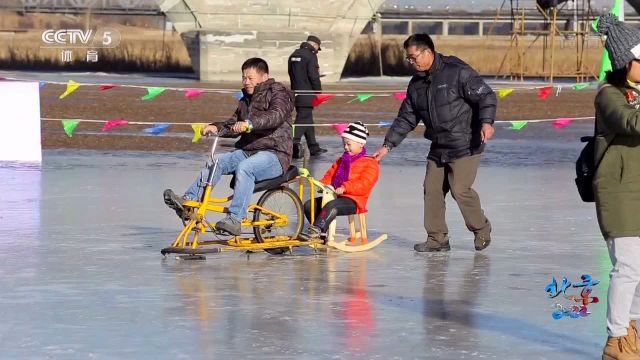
x=620 y=348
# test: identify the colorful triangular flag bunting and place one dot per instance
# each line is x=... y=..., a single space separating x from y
x=106 y=87
x=518 y=125
x=581 y=86
x=400 y=96
x=504 y=92
x=321 y=98
x=561 y=123
x=157 y=129
x=197 y=132
x=69 y=126
x=111 y=124
x=339 y=128
x=191 y=93
x=71 y=87
x=385 y=123
x=152 y=92
x=362 y=97
x=544 y=92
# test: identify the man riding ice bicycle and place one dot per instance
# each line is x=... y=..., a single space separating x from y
x=264 y=150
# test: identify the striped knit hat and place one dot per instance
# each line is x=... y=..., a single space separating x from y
x=357 y=132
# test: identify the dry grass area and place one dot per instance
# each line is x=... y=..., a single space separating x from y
x=146 y=47
x=485 y=54
x=143 y=46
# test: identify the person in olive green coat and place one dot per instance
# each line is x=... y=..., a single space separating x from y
x=617 y=184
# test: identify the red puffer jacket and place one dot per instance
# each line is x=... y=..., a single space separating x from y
x=363 y=176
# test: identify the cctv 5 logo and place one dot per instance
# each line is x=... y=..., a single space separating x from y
x=80 y=38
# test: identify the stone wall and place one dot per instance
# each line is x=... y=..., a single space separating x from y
x=221 y=34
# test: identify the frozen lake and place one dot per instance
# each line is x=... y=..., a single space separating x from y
x=82 y=274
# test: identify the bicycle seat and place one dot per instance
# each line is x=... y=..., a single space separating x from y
x=269 y=184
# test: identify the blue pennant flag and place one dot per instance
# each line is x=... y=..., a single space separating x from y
x=385 y=123
x=157 y=129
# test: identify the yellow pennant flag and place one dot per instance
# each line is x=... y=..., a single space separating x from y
x=197 y=132
x=71 y=87
x=504 y=92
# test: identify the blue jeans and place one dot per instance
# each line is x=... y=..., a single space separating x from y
x=260 y=166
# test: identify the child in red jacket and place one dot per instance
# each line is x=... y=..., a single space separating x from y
x=353 y=177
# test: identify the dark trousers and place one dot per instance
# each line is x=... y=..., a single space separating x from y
x=304 y=116
x=456 y=177
x=324 y=216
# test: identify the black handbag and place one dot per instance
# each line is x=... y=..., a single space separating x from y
x=586 y=169
x=586 y=166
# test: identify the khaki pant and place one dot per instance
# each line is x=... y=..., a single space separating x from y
x=457 y=177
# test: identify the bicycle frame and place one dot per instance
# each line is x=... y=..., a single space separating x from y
x=206 y=204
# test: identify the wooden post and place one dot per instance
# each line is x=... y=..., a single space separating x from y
x=363 y=228
x=352 y=229
x=553 y=40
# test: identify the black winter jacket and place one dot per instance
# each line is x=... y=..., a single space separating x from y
x=453 y=102
x=304 y=73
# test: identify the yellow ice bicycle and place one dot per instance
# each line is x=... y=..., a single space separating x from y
x=273 y=224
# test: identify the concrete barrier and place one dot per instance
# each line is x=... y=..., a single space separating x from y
x=20 y=138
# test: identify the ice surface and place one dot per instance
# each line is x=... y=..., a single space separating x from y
x=82 y=275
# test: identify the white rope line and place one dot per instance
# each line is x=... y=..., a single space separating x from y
x=349 y=93
x=302 y=125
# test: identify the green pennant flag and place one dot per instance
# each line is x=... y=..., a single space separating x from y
x=361 y=98
x=518 y=125
x=581 y=86
x=153 y=92
x=364 y=97
x=605 y=67
x=70 y=126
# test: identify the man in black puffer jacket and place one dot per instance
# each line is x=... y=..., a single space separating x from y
x=305 y=81
x=458 y=109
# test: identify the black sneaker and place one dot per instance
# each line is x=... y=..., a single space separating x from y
x=432 y=245
x=174 y=202
x=317 y=151
x=481 y=241
x=313 y=233
x=229 y=225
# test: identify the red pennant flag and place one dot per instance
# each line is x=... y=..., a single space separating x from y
x=561 y=123
x=110 y=124
x=400 y=96
x=321 y=99
x=544 y=92
x=106 y=87
x=339 y=128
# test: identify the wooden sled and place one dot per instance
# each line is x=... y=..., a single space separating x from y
x=356 y=241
